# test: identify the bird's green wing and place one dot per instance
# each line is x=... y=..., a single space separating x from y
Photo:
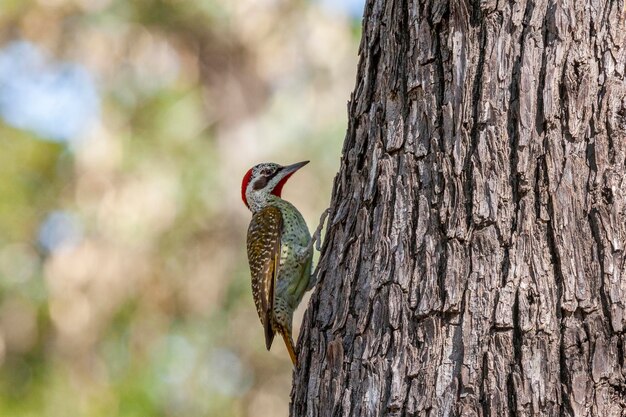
x=264 y=236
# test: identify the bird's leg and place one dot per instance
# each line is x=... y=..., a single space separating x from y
x=313 y=278
x=316 y=239
x=304 y=253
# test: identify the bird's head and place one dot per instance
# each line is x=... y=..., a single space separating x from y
x=263 y=180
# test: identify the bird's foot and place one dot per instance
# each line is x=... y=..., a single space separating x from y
x=315 y=239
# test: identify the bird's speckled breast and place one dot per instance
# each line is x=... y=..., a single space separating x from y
x=293 y=276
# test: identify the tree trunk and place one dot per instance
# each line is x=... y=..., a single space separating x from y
x=474 y=261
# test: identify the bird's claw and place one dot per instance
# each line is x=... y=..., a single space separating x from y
x=318 y=245
x=316 y=235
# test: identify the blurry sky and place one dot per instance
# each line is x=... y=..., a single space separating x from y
x=125 y=129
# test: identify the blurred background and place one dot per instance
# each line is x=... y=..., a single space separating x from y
x=125 y=130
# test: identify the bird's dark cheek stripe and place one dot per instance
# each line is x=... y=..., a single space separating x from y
x=262 y=182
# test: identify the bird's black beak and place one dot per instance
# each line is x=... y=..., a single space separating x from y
x=290 y=169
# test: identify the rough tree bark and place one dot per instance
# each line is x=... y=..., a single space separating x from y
x=474 y=261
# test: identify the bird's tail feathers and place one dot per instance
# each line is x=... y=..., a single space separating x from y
x=290 y=347
x=269 y=331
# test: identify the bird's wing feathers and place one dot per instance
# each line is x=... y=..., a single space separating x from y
x=264 y=236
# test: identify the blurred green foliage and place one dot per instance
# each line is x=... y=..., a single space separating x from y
x=30 y=182
x=124 y=287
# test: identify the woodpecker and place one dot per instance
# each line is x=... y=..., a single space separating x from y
x=280 y=250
